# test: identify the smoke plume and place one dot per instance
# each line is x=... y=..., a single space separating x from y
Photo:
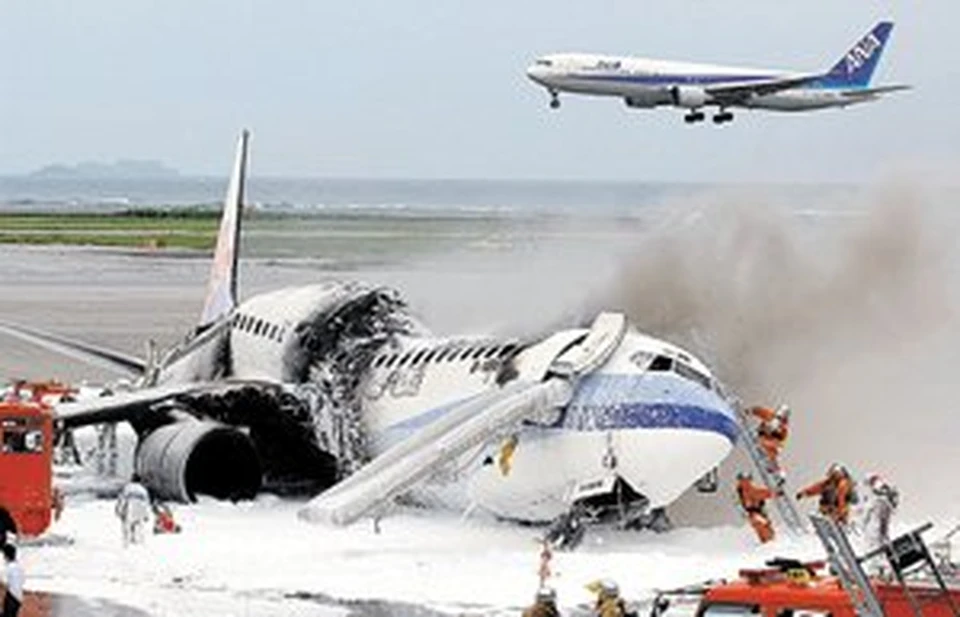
x=846 y=312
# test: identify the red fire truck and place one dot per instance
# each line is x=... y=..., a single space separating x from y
x=27 y=499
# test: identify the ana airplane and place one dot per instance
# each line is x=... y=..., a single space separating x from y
x=337 y=383
x=645 y=83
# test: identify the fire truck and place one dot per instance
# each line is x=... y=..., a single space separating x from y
x=27 y=497
x=906 y=581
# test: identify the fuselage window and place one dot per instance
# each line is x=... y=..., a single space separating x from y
x=404 y=359
x=543 y=62
x=429 y=357
x=466 y=353
x=442 y=354
x=416 y=358
x=256 y=327
x=390 y=360
x=492 y=352
x=479 y=352
x=661 y=363
x=507 y=350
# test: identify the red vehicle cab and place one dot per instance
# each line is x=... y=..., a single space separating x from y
x=910 y=584
x=804 y=592
x=26 y=463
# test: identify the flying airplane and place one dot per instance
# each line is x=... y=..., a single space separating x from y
x=645 y=83
x=339 y=384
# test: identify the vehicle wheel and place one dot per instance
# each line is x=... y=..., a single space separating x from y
x=554 y=103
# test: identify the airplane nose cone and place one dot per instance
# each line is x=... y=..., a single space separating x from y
x=537 y=73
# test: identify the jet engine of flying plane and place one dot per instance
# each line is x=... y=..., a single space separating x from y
x=337 y=386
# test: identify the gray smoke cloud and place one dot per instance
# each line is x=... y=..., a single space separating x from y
x=845 y=310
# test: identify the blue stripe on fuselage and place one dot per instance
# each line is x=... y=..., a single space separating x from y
x=620 y=401
x=822 y=83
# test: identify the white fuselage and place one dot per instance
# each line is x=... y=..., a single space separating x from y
x=652 y=407
x=646 y=82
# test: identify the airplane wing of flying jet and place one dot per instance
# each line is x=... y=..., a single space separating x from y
x=732 y=94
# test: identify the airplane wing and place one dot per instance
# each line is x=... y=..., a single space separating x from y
x=737 y=93
x=91 y=354
x=127 y=406
x=467 y=426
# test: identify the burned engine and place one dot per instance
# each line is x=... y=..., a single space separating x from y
x=230 y=440
x=181 y=460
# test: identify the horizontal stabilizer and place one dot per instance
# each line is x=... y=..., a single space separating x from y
x=878 y=91
x=400 y=468
x=90 y=354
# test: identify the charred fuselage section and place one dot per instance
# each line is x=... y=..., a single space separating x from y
x=232 y=440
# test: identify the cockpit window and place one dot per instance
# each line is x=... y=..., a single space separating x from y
x=661 y=363
x=687 y=371
x=543 y=62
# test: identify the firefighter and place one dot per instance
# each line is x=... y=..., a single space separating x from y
x=753 y=499
x=884 y=499
x=836 y=493
x=544 y=604
x=772 y=433
x=133 y=510
x=609 y=603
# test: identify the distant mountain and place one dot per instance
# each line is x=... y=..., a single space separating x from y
x=124 y=168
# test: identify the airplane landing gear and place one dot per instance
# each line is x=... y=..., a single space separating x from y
x=656 y=520
x=567 y=530
x=554 y=101
x=694 y=116
x=723 y=116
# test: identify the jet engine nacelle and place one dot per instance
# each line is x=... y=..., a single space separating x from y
x=191 y=457
x=690 y=97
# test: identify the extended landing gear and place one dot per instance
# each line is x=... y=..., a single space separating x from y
x=694 y=117
x=723 y=116
x=656 y=520
x=567 y=530
x=554 y=100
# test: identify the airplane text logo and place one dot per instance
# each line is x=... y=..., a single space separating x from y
x=861 y=52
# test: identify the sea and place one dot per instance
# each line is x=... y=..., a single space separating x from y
x=396 y=196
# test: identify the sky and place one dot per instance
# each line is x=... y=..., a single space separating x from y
x=436 y=88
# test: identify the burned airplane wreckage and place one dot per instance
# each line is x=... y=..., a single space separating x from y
x=297 y=431
x=298 y=389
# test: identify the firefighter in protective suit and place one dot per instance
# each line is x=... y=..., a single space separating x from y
x=609 y=603
x=753 y=499
x=134 y=510
x=544 y=604
x=772 y=433
x=836 y=493
x=884 y=499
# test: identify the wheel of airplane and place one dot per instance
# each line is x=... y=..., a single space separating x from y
x=554 y=103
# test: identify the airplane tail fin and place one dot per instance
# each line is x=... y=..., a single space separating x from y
x=222 y=285
x=856 y=67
